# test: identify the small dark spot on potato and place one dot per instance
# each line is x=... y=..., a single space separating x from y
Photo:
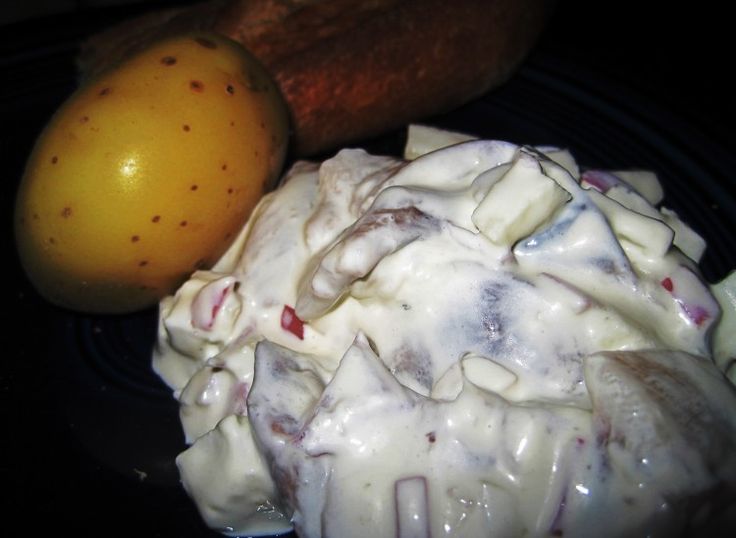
x=232 y=124
x=54 y=159
x=168 y=60
x=186 y=127
x=230 y=89
x=35 y=216
x=84 y=119
x=193 y=187
x=196 y=86
x=142 y=263
x=52 y=240
x=66 y=212
x=224 y=166
x=230 y=190
x=135 y=239
x=206 y=43
x=183 y=223
x=263 y=125
x=156 y=218
x=105 y=91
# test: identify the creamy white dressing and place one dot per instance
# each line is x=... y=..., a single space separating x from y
x=480 y=341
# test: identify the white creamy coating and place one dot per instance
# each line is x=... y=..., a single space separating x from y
x=476 y=342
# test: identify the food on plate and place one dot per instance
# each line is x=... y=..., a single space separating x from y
x=350 y=69
x=151 y=167
x=149 y=172
x=483 y=340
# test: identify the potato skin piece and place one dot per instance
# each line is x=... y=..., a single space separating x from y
x=353 y=69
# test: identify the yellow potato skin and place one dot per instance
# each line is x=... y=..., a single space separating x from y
x=147 y=173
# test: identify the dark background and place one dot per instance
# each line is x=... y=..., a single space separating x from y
x=66 y=459
x=680 y=53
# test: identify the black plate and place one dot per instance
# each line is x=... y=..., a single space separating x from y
x=90 y=433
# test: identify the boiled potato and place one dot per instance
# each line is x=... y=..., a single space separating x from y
x=147 y=173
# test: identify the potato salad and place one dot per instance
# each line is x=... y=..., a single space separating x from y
x=477 y=339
